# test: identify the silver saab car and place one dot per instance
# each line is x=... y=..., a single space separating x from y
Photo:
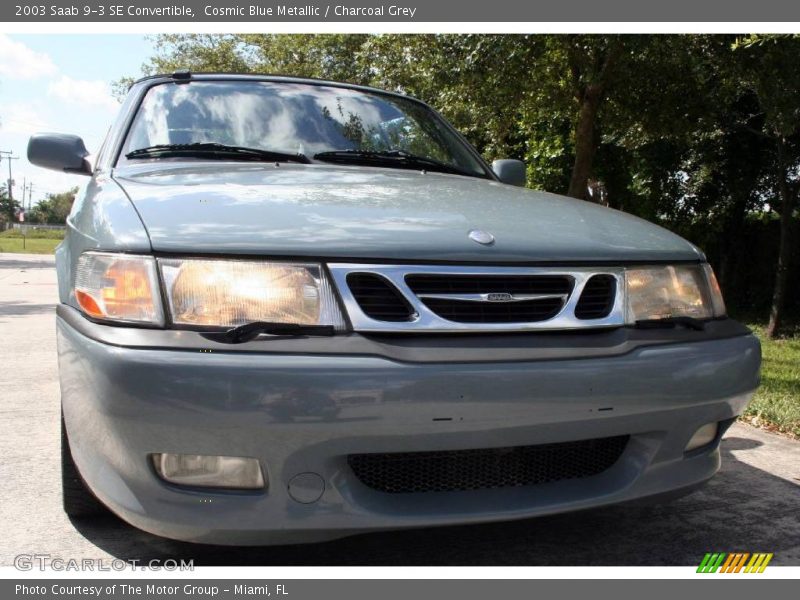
x=294 y=310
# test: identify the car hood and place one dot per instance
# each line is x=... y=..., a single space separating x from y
x=345 y=212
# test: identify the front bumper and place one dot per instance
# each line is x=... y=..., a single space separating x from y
x=305 y=413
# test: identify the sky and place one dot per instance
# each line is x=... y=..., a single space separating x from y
x=60 y=83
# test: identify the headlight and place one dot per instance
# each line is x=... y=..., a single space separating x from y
x=118 y=287
x=229 y=293
x=672 y=291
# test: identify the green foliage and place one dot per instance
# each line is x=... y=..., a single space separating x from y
x=8 y=207
x=54 y=209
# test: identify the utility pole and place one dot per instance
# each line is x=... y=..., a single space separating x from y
x=8 y=156
x=30 y=195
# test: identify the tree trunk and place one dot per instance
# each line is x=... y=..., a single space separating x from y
x=584 y=143
x=784 y=247
x=732 y=234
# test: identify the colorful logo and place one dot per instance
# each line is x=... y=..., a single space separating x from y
x=734 y=562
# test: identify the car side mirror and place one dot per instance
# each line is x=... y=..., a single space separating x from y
x=510 y=171
x=60 y=152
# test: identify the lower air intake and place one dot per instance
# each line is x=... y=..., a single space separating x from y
x=490 y=468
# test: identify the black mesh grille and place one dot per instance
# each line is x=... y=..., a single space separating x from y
x=378 y=298
x=492 y=312
x=463 y=470
x=597 y=298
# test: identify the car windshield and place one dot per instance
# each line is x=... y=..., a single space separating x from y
x=298 y=119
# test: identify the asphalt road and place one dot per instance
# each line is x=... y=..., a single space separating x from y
x=752 y=505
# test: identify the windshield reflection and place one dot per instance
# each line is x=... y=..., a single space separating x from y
x=296 y=118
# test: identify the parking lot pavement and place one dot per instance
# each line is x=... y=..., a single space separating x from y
x=752 y=505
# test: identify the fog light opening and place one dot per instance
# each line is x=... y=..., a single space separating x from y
x=702 y=437
x=222 y=472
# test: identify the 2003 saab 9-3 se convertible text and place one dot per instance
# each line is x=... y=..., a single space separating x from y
x=293 y=310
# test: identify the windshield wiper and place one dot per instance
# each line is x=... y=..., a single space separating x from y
x=217 y=151
x=250 y=331
x=390 y=158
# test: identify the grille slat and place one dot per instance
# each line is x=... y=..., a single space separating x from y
x=491 y=468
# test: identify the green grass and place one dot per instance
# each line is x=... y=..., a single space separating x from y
x=776 y=405
x=39 y=241
x=39 y=234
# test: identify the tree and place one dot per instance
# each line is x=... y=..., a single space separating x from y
x=9 y=208
x=768 y=67
x=592 y=62
x=54 y=209
x=725 y=168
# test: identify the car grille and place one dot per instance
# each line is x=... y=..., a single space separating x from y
x=417 y=298
x=450 y=297
x=465 y=470
x=378 y=298
x=597 y=298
